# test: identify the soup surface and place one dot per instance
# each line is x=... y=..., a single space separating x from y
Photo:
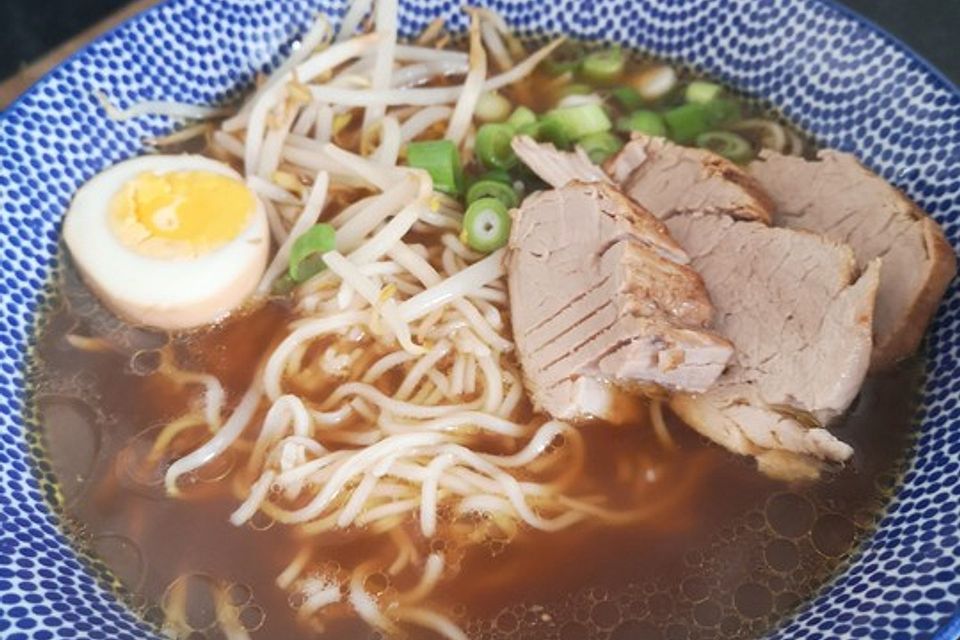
x=724 y=552
x=729 y=554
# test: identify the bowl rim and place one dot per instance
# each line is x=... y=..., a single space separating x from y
x=951 y=629
x=952 y=85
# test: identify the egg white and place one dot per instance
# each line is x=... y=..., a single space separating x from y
x=167 y=293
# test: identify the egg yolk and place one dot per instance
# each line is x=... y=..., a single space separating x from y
x=180 y=213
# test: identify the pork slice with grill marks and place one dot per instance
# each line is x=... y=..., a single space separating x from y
x=601 y=297
x=795 y=305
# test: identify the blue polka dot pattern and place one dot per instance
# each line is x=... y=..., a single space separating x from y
x=852 y=87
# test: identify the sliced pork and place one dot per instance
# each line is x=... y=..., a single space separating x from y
x=599 y=294
x=799 y=313
x=667 y=178
x=796 y=306
x=556 y=167
x=836 y=196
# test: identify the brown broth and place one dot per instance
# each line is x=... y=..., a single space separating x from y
x=729 y=554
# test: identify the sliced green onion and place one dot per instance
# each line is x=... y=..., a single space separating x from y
x=565 y=59
x=579 y=121
x=492 y=107
x=574 y=89
x=493 y=189
x=546 y=131
x=559 y=67
x=549 y=130
x=492 y=146
x=497 y=175
x=643 y=121
x=628 y=97
x=521 y=116
x=727 y=144
x=532 y=129
x=486 y=225
x=441 y=160
x=700 y=91
x=687 y=122
x=306 y=254
x=722 y=112
x=600 y=146
x=282 y=285
x=603 y=67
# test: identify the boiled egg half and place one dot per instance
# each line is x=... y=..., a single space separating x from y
x=169 y=241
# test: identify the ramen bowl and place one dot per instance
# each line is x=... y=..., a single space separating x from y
x=848 y=84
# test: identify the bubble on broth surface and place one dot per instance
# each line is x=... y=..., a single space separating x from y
x=736 y=586
x=573 y=631
x=755 y=520
x=136 y=468
x=605 y=614
x=251 y=618
x=635 y=630
x=833 y=534
x=660 y=605
x=707 y=613
x=867 y=518
x=781 y=555
x=730 y=625
x=775 y=583
x=376 y=583
x=789 y=514
x=199 y=605
x=506 y=622
x=122 y=556
x=145 y=362
x=260 y=522
x=217 y=469
x=153 y=615
x=786 y=601
x=695 y=588
x=753 y=600
x=74 y=439
x=190 y=603
x=239 y=594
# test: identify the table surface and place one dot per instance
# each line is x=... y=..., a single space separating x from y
x=34 y=36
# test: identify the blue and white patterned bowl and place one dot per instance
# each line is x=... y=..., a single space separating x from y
x=849 y=84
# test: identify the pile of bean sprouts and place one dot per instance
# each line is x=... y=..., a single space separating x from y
x=393 y=397
x=393 y=408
